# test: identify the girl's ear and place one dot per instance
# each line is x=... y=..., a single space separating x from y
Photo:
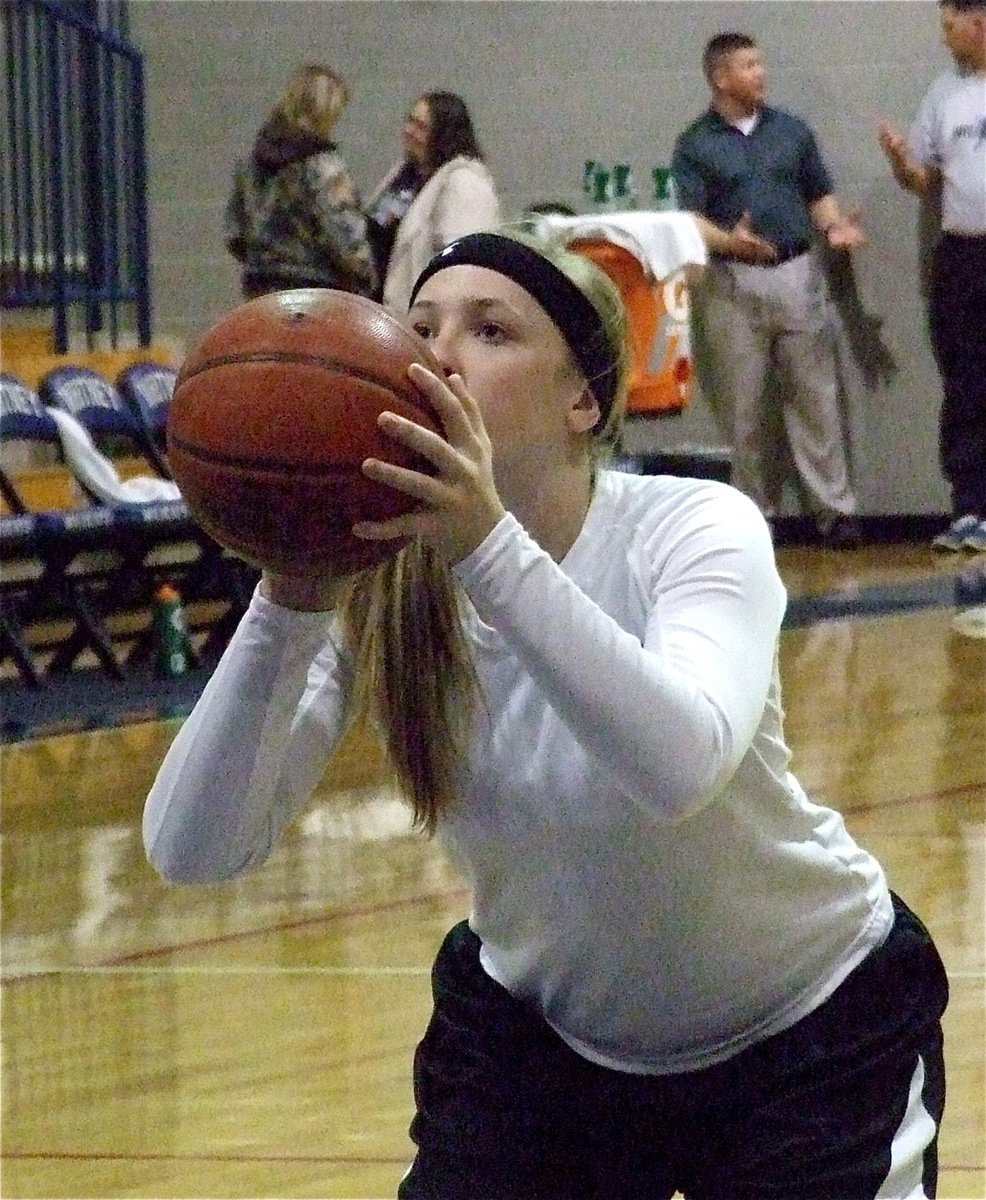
x=584 y=415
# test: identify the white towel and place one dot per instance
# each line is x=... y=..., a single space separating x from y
x=664 y=242
x=971 y=622
x=98 y=475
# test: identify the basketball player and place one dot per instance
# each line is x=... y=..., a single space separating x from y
x=679 y=972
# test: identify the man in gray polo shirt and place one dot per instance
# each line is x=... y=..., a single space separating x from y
x=745 y=166
x=945 y=156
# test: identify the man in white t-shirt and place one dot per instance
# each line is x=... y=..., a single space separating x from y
x=945 y=155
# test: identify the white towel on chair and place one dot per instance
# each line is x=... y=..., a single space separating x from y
x=663 y=242
x=95 y=472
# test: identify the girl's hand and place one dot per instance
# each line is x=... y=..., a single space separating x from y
x=459 y=503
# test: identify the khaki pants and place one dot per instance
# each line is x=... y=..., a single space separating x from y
x=765 y=331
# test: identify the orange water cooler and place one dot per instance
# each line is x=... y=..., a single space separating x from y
x=661 y=371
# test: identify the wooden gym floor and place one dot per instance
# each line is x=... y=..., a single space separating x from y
x=254 y=1039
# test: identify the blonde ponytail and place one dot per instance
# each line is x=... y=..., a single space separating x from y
x=415 y=678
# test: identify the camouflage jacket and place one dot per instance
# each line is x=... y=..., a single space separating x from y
x=294 y=218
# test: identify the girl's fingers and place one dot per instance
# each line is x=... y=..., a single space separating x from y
x=412 y=483
x=419 y=521
x=440 y=453
x=450 y=398
x=381 y=531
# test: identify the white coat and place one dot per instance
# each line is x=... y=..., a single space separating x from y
x=459 y=198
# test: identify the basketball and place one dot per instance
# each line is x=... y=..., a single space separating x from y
x=274 y=411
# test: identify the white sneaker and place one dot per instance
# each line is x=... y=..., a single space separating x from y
x=971 y=622
x=976 y=539
x=954 y=537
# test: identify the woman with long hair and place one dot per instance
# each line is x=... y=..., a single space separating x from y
x=679 y=973
x=441 y=190
x=294 y=218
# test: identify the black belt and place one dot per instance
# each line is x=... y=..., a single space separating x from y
x=785 y=254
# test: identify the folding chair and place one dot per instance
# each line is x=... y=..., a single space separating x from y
x=54 y=563
x=162 y=539
x=98 y=407
x=22 y=563
x=146 y=389
x=23 y=421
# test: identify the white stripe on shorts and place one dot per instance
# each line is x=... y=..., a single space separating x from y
x=913 y=1137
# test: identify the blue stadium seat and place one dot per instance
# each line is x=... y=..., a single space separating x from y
x=98 y=565
x=23 y=419
x=97 y=405
x=146 y=389
x=50 y=560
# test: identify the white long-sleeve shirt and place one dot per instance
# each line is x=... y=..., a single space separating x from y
x=645 y=871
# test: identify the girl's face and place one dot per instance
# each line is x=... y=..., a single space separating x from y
x=417 y=133
x=513 y=359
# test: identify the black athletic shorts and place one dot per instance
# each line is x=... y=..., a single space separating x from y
x=845 y=1105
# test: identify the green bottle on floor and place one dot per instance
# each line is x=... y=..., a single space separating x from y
x=172 y=646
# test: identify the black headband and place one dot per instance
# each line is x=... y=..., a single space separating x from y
x=577 y=320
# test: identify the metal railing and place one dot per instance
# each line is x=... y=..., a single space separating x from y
x=73 y=169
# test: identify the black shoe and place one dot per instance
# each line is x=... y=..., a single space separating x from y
x=845 y=533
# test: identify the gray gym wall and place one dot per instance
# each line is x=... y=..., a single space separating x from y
x=551 y=83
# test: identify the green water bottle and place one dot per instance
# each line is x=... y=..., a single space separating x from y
x=588 y=175
x=172 y=646
x=624 y=192
x=665 y=194
x=602 y=190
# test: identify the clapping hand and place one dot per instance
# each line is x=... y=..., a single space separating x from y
x=846 y=233
x=748 y=246
x=892 y=143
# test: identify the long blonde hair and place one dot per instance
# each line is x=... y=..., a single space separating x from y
x=415 y=676
x=313 y=101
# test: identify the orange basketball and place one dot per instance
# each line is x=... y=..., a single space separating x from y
x=273 y=413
